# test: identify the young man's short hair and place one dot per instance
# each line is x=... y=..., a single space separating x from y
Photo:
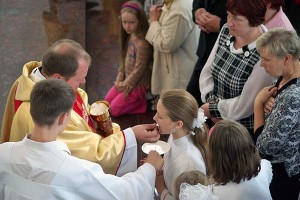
x=50 y=98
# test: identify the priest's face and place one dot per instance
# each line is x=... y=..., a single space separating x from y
x=81 y=73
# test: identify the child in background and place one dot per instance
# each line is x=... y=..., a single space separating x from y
x=178 y=115
x=127 y=96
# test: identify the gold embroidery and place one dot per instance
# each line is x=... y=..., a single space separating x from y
x=168 y=3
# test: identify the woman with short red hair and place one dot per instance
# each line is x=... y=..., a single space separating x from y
x=232 y=75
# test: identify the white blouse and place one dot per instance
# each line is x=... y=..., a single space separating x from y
x=183 y=156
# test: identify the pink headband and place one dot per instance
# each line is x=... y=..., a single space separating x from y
x=131 y=5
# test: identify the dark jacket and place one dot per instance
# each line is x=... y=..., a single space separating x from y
x=207 y=40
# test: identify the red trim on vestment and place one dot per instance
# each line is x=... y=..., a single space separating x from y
x=81 y=110
x=17 y=104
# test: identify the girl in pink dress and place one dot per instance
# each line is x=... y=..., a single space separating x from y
x=127 y=96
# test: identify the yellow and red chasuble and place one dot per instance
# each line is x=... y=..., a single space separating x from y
x=78 y=135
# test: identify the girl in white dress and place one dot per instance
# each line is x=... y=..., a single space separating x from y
x=178 y=115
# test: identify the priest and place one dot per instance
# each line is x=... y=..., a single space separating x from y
x=68 y=61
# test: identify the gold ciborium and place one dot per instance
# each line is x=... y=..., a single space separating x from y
x=99 y=112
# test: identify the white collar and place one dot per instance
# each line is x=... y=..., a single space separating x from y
x=36 y=75
x=46 y=146
x=250 y=46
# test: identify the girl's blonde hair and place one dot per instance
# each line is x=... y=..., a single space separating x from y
x=182 y=106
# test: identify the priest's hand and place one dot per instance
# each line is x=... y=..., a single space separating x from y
x=155 y=159
x=146 y=132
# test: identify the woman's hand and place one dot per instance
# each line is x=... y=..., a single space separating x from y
x=265 y=94
x=268 y=106
x=155 y=13
x=260 y=102
x=205 y=108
